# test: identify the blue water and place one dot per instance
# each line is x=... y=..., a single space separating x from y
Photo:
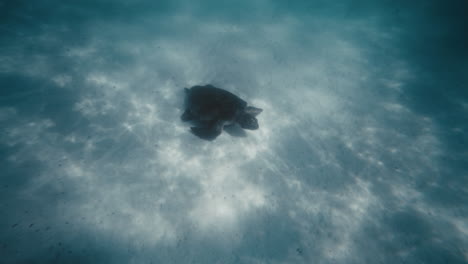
x=361 y=155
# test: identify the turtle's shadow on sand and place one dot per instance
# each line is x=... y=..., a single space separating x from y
x=233 y=130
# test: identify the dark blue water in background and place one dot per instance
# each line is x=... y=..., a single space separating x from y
x=361 y=155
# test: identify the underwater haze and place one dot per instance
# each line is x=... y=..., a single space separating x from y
x=361 y=155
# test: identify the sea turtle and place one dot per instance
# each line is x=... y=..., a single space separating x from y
x=211 y=109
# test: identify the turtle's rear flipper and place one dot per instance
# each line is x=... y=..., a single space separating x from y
x=186 y=116
x=207 y=133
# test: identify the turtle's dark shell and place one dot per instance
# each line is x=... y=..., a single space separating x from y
x=208 y=103
x=210 y=109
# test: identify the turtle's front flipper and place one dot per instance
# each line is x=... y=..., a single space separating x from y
x=207 y=132
x=235 y=130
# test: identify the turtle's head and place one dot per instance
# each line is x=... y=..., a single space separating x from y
x=247 y=119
